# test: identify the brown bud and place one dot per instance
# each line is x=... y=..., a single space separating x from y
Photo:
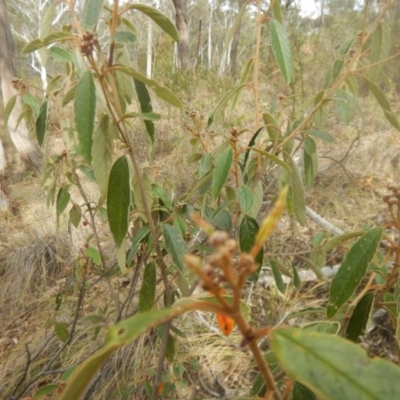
x=218 y=238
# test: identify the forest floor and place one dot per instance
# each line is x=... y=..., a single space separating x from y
x=354 y=174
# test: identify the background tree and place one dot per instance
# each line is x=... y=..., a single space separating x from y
x=181 y=19
x=19 y=133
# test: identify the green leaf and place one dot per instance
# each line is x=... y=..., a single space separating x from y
x=223 y=102
x=297 y=189
x=91 y=14
x=301 y=392
x=102 y=153
x=247 y=236
x=32 y=102
x=9 y=107
x=310 y=160
x=70 y=95
x=124 y=37
x=59 y=54
x=277 y=11
x=85 y=109
x=170 y=351
x=205 y=164
x=160 y=91
x=45 y=390
x=75 y=215
x=62 y=200
x=245 y=74
x=94 y=255
x=175 y=245
x=272 y=157
x=147 y=292
x=245 y=197
x=334 y=368
x=380 y=48
x=281 y=49
x=323 y=327
x=352 y=270
x=139 y=237
x=221 y=172
x=118 y=199
x=33 y=45
x=359 y=317
x=61 y=331
x=159 y=18
x=222 y=219
x=277 y=276
x=338 y=240
x=58 y=36
x=122 y=333
x=323 y=135
x=145 y=106
x=345 y=46
x=41 y=122
x=296 y=278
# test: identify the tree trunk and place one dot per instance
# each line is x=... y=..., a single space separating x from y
x=235 y=44
x=181 y=19
x=29 y=151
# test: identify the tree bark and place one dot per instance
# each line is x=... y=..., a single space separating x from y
x=235 y=44
x=181 y=19
x=28 y=150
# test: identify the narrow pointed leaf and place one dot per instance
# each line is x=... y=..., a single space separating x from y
x=248 y=231
x=277 y=276
x=148 y=290
x=85 y=108
x=91 y=14
x=62 y=200
x=281 y=49
x=159 y=18
x=334 y=368
x=32 y=102
x=102 y=153
x=298 y=193
x=118 y=199
x=145 y=106
x=221 y=172
x=359 y=318
x=9 y=108
x=245 y=197
x=352 y=270
x=175 y=245
x=75 y=215
x=41 y=122
x=380 y=48
x=301 y=392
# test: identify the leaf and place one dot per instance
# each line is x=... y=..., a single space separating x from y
x=9 y=108
x=205 y=164
x=45 y=390
x=161 y=91
x=310 y=160
x=169 y=354
x=323 y=327
x=75 y=215
x=277 y=11
x=323 y=135
x=380 y=48
x=62 y=200
x=245 y=198
x=359 y=318
x=94 y=255
x=277 y=276
x=159 y=18
x=298 y=193
x=41 y=122
x=222 y=219
x=139 y=237
x=245 y=74
x=145 y=106
x=58 y=36
x=118 y=199
x=85 y=108
x=338 y=240
x=272 y=157
x=248 y=231
x=334 y=368
x=296 y=278
x=148 y=290
x=175 y=245
x=122 y=333
x=59 y=54
x=70 y=95
x=281 y=49
x=223 y=102
x=91 y=14
x=221 y=172
x=61 y=331
x=147 y=187
x=32 y=102
x=102 y=153
x=352 y=270
x=124 y=37
x=301 y=392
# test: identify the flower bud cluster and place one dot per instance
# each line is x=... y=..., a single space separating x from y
x=19 y=85
x=87 y=43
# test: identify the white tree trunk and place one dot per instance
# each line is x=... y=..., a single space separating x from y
x=149 y=48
